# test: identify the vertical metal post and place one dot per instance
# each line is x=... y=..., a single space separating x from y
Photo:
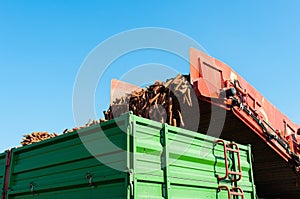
x=165 y=161
x=131 y=151
x=251 y=172
x=129 y=183
x=10 y=172
x=133 y=159
x=7 y=174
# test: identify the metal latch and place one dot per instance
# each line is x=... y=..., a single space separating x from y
x=89 y=178
x=32 y=187
x=131 y=181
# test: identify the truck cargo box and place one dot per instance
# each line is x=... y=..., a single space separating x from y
x=130 y=157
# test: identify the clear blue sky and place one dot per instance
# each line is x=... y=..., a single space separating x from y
x=43 y=43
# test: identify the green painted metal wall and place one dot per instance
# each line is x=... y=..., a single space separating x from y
x=128 y=157
x=2 y=170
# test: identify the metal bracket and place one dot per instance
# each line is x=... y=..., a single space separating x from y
x=89 y=178
x=131 y=181
x=32 y=187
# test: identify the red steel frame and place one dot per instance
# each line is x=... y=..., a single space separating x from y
x=6 y=175
x=211 y=77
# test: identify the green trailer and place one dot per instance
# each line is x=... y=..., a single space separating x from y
x=131 y=157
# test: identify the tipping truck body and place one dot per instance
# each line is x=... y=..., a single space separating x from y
x=250 y=118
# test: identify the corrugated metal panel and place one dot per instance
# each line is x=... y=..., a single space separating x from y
x=58 y=167
x=153 y=160
x=193 y=162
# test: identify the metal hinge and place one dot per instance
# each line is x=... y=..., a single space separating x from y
x=131 y=182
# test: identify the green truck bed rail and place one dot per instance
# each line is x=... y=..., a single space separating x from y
x=127 y=158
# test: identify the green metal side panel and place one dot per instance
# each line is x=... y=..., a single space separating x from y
x=59 y=167
x=2 y=170
x=171 y=162
x=140 y=159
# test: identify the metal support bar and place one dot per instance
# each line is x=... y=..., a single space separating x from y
x=131 y=160
x=165 y=161
x=273 y=136
x=7 y=174
x=251 y=160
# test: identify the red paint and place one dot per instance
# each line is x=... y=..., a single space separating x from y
x=7 y=173
x=210 y=76
x=233 y=148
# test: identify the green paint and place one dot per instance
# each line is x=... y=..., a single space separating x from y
x=157 y=161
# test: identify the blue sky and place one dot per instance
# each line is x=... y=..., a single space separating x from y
x=43 y=44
